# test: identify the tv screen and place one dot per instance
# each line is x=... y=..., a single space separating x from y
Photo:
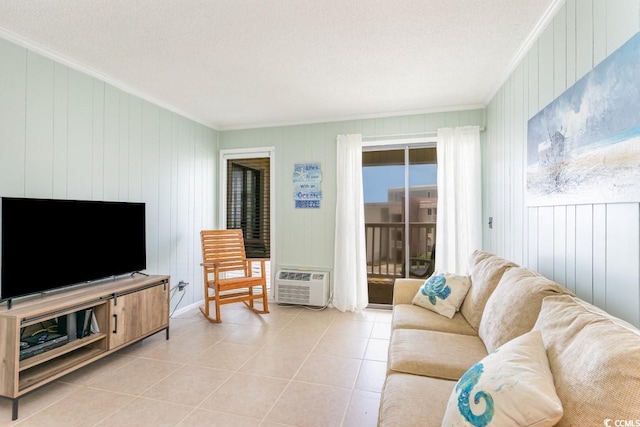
x=48 y=244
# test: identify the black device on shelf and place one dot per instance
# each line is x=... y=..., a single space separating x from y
x=49 y=244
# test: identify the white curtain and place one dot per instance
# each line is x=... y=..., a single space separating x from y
x=459 y=225
x=350 y=291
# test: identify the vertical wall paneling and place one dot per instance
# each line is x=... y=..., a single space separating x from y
x=150 y=179
x=67 y=135
x=97 y=169
x=80 y=136
x=622 y=294
x=599 y=31
x=13 y=75
x=545 y=240
x=580 y=246
x=39 y=126
x=600 y=254
x=584 y=37
x=560 y=52
x=123 y=147
x=111 y=141
x=570 y=258
x=571 y=42
x=623 y=20
x=545 y=67
x=135 y=150
x=165 y=179
x=532 y=236
x=60 y=131
x=517 y=162
x=560 y=244
x=584 y=252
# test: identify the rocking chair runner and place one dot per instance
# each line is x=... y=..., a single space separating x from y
x=223 y=253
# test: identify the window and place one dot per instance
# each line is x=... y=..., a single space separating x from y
x=248 y=203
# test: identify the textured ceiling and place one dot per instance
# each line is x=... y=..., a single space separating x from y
x=249 y=63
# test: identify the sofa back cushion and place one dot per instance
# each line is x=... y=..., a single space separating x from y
x=513 y=307
x=485 y=271
x=595 y=361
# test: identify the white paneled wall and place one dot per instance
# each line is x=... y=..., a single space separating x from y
x=64 y=134
x=305 y=237
x=594 y=250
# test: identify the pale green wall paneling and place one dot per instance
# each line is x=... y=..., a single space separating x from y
x=620 y=241
x=584 y=252
x=560 y=52
x=584 y=37
x=39 y=126
x=571 y=35
x=560 y=244
x=111 y=152
x=60 y=131
x=591 y=249
x=150 y=182
x=123 y=147
x=64 y=134
x=135 y=149
x=97 y=167
x=79 y=138
x=305 y=237
x=571 y=250
x=13 y=74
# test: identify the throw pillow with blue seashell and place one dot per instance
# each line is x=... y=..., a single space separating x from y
x=513 y=386
x=443 y=293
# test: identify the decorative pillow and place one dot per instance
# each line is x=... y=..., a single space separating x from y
x=512 y=386
x=443 y=293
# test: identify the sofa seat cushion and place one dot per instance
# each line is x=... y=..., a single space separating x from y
x=412 y=400
x=409 y=316
x=486 y=270
x=595 y=361
x=512 y=309
x=433 y=354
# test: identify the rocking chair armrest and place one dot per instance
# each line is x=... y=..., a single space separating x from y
x=209 y=264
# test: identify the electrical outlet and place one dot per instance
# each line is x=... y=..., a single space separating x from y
x=181 y=285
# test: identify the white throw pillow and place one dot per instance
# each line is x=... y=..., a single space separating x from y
x=512 y=386
x=443 y=293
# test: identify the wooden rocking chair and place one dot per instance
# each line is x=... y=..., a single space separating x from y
x=228 y=274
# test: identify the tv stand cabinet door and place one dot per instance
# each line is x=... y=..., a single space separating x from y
x=138 y=314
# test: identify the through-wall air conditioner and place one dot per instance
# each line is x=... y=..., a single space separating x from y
x=302 y=287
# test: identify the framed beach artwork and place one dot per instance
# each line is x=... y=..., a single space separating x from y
x=584 y=147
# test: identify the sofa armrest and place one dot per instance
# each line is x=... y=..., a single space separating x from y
x=405 y=289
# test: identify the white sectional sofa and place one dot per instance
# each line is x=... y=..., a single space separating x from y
x=512 y=318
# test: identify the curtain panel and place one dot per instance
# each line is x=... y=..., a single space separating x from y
x=350 y=262
x=459 y=225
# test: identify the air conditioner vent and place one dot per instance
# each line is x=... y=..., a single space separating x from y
x=302 y=287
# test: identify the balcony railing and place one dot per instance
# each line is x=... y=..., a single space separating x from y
x=386 y=249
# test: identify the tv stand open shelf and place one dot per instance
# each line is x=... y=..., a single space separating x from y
x=123 y=311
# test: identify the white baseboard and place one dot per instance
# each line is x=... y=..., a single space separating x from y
x=187 y=308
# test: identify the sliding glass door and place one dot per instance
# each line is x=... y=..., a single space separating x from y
x=400 y=204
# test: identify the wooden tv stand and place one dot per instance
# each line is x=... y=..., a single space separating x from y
x=126 y=310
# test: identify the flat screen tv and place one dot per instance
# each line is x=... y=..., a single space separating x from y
x=49 y=244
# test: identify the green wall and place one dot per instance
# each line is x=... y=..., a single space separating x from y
x=305 y=237
x=592 y=249
x=65 y=134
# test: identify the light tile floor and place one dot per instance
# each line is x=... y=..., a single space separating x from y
x=292 y=367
